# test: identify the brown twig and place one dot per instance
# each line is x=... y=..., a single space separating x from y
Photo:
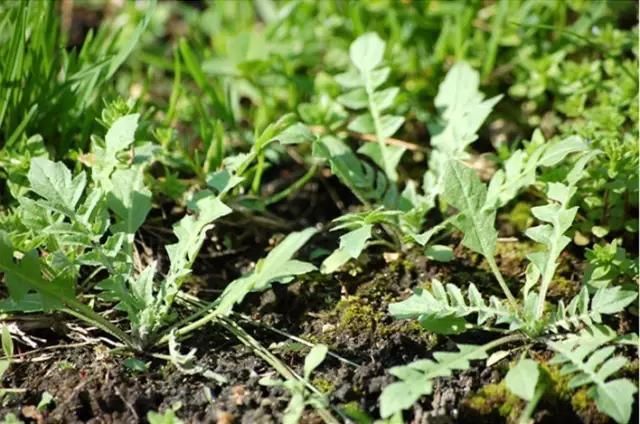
x=317 y=129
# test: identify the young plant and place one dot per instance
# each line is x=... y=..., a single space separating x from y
x=445 y=310
x=301 y=396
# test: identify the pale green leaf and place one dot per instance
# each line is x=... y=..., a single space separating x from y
x=354 y=99
x=129 y=199
x=555 y=152
x=464 y=191
x=351 y=246
x=522 y=379
x=296 y=134
x=366 y=52
x=314 y=358
x=401 y=395
x=52 y=181
x=121 y=134
x=439 y=253
x=294 y=410
x=615 y=398
x=7 y=342
x=362 y=124
x=611 y=300
x=389 y=125
x=276 y=266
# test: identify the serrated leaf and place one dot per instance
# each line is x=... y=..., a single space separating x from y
x=584 y=358
x=464 y=191
x=351 y=246
x=416 y=377
x=52 y=181
x=611 y=300
x=522 y=379
x=401 y=395
x=129 y=199
x=276 y=266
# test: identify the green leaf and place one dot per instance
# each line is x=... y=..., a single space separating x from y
x=52 y=181
x=296 y=134
x=366 y=52
x=168 y=417
x=7 y=342
x=522 y=379
x=439 y=253
x=611 y=300
x=464 y=191
x=294 y=410
x=615 y=398
x=443 y=324
x=351 y=246
x=354 y=99
x=442 y=309
x=121 y=134
x=314 y=358
x=276 y=266
x=587 y=362
x=555 y=152
x=401 y=395
x=416 y=377
x=393 y=154
x=363 y=124
x=129 y=199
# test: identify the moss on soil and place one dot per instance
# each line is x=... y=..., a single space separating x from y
x=494 y=399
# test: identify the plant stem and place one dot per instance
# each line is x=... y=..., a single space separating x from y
x=257 y=178
x=503 y=284
x=375 y=116
x=525 y=417
x=503 y=340
x=293 y=187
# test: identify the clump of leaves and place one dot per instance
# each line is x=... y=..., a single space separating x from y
x=400 y=215
x=445 y=310
x=79 y=223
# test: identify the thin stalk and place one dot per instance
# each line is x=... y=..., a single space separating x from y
x=293 y=187
x=503 y=340
x=84 y=313
x=525 y=417
x=257 y=177
x=547 y=277
x=278 y=365
x=194 y=325
x=503 y=284
x=248 y=320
